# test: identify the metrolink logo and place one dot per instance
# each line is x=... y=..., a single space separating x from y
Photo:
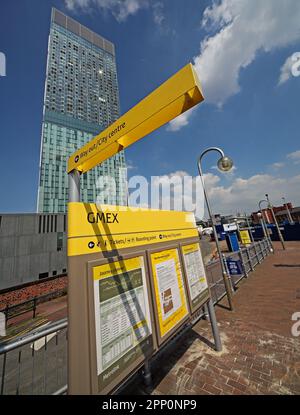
x=2 y=64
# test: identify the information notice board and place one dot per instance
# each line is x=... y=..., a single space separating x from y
x=195 y=275
x=122 y=316
x=169 y=291
x=138 y=276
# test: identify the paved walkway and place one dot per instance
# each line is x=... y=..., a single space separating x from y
x=260 y=355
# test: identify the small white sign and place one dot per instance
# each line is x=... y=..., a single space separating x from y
x=2 y=64
x=229 y=227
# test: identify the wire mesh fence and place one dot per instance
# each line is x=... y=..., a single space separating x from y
x=35 y=364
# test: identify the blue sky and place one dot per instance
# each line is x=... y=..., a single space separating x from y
x=240 y=50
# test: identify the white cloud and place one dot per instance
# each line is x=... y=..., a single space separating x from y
x=180 y=121
x=120 y=9
x=241 y=29
x=73 y=4
x=130 y=165
x=244 y=194
x=295 y=156
x=245 y=28
x=286 y=70
x=158 y=14
x=278 y=165
x=241 y=194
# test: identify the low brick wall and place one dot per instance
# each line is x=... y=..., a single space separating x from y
x=26 y=293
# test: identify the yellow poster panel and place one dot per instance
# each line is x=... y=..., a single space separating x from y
x=245 y=237
x=169 y=289
x=195 y=272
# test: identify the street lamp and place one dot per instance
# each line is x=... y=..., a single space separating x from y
x=224 y=164
x=263 y=222
x=276 y=223
x=288 y=211
x=262 y=213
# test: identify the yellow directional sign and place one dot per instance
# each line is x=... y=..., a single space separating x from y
x=94 y=228
x=175 y=96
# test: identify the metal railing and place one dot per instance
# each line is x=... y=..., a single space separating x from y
x=15 y=310
x=249 y=257
x=37 y=363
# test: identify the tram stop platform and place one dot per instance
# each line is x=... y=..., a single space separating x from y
x=261 y=354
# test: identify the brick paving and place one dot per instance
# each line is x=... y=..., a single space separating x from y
x=259 y=356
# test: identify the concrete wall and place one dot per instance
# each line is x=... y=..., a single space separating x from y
x=29 y=247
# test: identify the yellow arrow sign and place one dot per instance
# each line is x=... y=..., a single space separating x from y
x=175 y=96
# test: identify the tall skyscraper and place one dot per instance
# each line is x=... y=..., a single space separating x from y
x=81 y=99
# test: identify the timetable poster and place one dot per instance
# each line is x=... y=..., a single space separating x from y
x=169 y=289
x=195 y=272
x=123 y=324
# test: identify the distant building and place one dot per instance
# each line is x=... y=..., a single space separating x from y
x=267 y=213
x=282 y=215
x=32 y=247
x=81 y=99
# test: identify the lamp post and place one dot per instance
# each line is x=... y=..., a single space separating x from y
x=224 y=164
x=276 y=223
x=259 y=215
x=249 y=227
x=288 y=211
x=263 y=222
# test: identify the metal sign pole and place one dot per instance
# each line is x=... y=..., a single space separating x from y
x=78 y=374
x=276 y=224
x=226 y=278
x=214 y=325
x=74 y=186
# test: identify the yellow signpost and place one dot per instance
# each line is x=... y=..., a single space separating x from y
x=118 y=315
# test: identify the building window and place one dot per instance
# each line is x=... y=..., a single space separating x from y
x=60 y=241
x=40 y=224
x=54 y=273
x=43 y=275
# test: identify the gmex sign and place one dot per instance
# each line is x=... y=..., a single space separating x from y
x=2 y=64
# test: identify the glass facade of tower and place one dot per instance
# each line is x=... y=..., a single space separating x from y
x=81 y=99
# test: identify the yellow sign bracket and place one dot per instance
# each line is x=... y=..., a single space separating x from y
x=175 y=96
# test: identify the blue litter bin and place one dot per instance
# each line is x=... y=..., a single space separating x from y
x=232 y=242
